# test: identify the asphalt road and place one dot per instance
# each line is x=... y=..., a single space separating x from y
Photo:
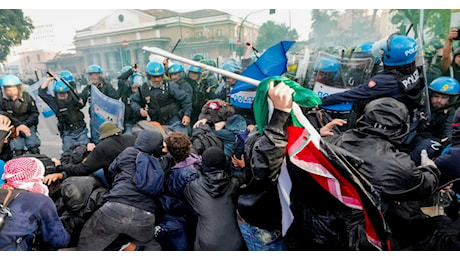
x=49 y=136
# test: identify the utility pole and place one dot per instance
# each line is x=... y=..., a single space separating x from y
x=240 y=29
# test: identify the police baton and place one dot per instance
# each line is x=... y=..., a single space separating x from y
x=66 y=83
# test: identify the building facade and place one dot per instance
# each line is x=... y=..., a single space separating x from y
x=117 y=40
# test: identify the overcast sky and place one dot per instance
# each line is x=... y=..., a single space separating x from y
x=67 y=21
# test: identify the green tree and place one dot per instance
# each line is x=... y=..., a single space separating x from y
x=270 y=33
x=14 y=28
x=323 y=27
x=436 y=21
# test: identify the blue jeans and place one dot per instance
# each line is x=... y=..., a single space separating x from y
x=174 y=234
x=258 y=239
x=176 y=123
x=113 y=219
x=128 y=129
x=70 y=137
x=23 y=142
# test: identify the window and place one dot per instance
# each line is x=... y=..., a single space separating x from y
x=219 y=32
x=121 y=18
x=38 y=57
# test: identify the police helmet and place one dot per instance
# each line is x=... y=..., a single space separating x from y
x=11 y=80
x=94 y=69
x=195 y=69
x=326 y=64
x=398 y=50
x=429 y=51
x=364 y=50
x=445 y=85
x=125 y=69
x=175 y=68
x=66 y=75
x=154 y=68
x=231 y=66
x=60 y=87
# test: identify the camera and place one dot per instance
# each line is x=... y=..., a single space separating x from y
x=458 y=35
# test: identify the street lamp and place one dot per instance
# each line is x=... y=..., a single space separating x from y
x=244 y=20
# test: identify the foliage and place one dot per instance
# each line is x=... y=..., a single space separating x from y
x=14 y=28
x=270 y=33
x=324 y=24
x=436 y=21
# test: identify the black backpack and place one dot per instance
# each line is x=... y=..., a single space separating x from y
x=203 y=137
x=50 y=167
x=76 y=154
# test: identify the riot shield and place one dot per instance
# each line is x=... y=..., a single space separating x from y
x=333 y=74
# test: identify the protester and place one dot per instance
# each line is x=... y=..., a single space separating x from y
x=177 y=223
x=128 y=210
x=400 y=183
x=33 y=214
x=211 y=197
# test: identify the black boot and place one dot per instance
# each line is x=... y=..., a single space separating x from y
x=17 y=153
x=34 y=150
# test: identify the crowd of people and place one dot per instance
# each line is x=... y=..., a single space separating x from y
x=188 y=170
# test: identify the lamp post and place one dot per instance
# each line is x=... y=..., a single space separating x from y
x=244 y=20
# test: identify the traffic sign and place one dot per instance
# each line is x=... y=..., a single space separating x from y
x=238 y=43
x=124 y=43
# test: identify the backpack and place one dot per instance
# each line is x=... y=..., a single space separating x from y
x=149 y=176
x=203 y=137
x=6 y=197
x=145 y=124
x=50 y=167
x=75 y=155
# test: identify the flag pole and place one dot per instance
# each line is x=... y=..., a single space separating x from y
x=171 y=56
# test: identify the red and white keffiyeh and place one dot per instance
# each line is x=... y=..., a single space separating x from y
x=25 y=173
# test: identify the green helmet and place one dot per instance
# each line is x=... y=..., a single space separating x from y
x=437 y=43
x=429 y=51
x=198 y=57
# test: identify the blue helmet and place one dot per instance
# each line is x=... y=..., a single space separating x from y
x=398 y=50
x=445 y=85
x=66 y=75
x=125 y=69
x=94 y=69
x=60 y=87
x=154 y=68
x=194 y=69
x=364 y=51
x=231 y=66
x=137 y=79
x=176 y=68
x=11 y=80
x=327 y=64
